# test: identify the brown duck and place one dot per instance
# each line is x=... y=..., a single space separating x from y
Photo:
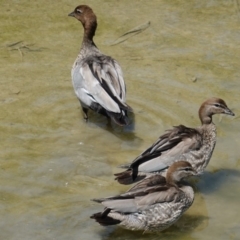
x=194 y=145
x=98 y=79
x=153 y=204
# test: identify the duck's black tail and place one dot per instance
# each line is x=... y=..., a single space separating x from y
x=104 y=219
x=121 y=119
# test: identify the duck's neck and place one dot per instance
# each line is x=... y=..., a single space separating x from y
x=206 y=120
x=170 y=179
x=89 y=32
x=205 y=117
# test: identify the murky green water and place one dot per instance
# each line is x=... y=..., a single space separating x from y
x=52 y=163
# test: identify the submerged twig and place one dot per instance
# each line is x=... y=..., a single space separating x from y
x=22 y=47
x=13 y=44
x=21 y=53
x=238 y=8
x=131 y=33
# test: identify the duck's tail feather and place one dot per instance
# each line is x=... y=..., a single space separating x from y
x=129 y=109
x=120 y=118
x=104 y=219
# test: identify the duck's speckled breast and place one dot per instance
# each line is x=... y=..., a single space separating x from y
x=200 y=158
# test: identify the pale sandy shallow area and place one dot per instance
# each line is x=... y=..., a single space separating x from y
x=52 y=163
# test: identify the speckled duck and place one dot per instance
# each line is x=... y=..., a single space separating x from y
x=153 y=204
x=194 y=145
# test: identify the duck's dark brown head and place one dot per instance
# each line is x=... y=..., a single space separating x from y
x=213 y=106
x=86 y=16
x=179 y=170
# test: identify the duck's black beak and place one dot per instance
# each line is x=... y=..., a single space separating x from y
x=229 y=112
x=72 y=14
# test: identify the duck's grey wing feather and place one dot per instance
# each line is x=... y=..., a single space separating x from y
x=134 y=203
x=132 y=193
x=166 y=149
x=149 y=181
x=109 y=74
x=98 y=79
x=115 y=72
x=94 y=89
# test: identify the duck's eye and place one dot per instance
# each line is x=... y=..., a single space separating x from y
x=79 y=11
x=188 y=169
x=217 y=105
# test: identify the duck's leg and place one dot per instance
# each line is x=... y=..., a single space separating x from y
x=85 y=113
x=108 y=121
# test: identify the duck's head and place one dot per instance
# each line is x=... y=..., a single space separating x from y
x=179 y=170
x=85 y=15
x=213 y=106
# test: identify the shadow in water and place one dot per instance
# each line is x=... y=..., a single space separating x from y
x=125 y=133
x=210 y=182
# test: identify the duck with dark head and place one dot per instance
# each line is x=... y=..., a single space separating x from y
x=98 y=79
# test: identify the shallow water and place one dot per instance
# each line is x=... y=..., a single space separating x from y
x=52 y=163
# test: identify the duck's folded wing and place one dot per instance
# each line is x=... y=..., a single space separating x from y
x=103 y=81
x=172 y=144
x=94 y=89
x=132 y=203
x=149 y=181
x=134 y=192
x=170 y=195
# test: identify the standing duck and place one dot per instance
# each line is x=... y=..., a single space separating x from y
x=97 y=79
x=194 y=145
x=153 y=204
